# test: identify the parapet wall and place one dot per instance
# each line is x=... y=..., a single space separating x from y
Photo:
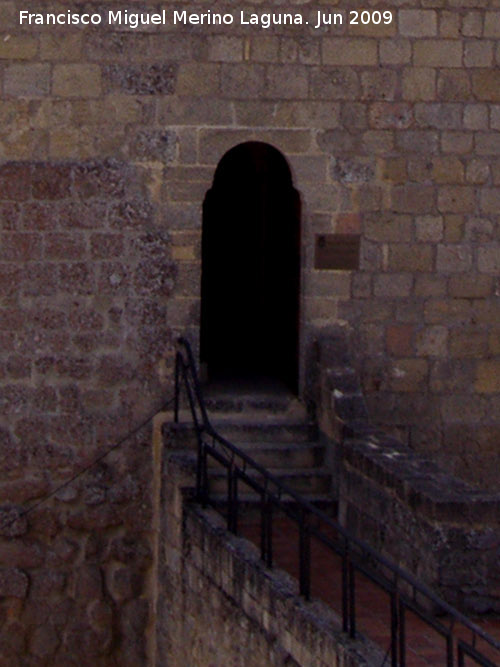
x=218 y=603
x=436 y=526
x=442 y=530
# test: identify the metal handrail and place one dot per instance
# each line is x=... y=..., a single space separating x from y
x=354 y=552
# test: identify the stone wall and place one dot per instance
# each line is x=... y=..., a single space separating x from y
x=84 y=273
x=434 y=525
x=442 y=530
x=220 y=605
x=391 y=132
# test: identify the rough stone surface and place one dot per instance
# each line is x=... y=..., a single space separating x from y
x=225 y=606
x=109 y=140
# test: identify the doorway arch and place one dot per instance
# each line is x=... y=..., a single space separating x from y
x=251 y=268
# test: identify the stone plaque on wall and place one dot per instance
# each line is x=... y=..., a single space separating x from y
x=336 y=252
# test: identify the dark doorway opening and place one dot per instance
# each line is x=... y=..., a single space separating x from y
x=251 y=268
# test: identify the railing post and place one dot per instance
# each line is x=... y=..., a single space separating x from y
x=348 y=593
x=449 y=650
x=352 y=601
x=394 y=628
x=402 y=634
x=305 y=555
x=177 y=388
x=266 y=530
x=232 y=499
x=201 y=475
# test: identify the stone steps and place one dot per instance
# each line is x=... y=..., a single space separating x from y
x=311 y=481
x=275 y=430
x=272 y=455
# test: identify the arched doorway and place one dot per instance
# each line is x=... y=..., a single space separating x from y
x=251 y=268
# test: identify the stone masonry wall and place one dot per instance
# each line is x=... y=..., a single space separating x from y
x=84 y=276
x=391 y=132
x=109 y=138
x=220 y=605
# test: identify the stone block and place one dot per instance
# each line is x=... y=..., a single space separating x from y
x=60 y=46
x=488 y=260
x=21 y=247
x=384 y=115
x=453 y=85
x=437 y=53
x=15 y=181
x=492 y=24
x=154 y=144
x=349 y=51
x=417 y=22
x=288 y=141
x=264 y=48
x=44 y=641
x=393 y=285
x=13 y=583
x=472 y=24
x=333 y=83
x=214 y=143
x=388 y=227
x=432 y=341
x=478 y=54
x=468 y=343
x=419 y=83
x=286 y=81
x=195 y=110
x=428 y=285
x=353 y=116
x=27 y=80
x=487 y=143
x=476 y=116
x=18 y=47
x=51 y=181
x=441 y=116
x=76 y=80
x=411 y=257
x=470 y=286
x=378 y=142
x=413 y=199
x=429 y=228
x=379 y=84
x=399 y=340
x=449 y=25
x=488 y=377
x=155 y=79
x=453 y=227
x=453 y=258
x=456 y=142
x=418 y=141
x=395 y=51
x=442 y=311
x=486 y=84
x=409 y=375
x=456 y=199
x=494 y=342
x=225 y=48
x=242 y=82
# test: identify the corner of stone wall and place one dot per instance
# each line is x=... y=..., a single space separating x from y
x=439 y=528
x=219 y=604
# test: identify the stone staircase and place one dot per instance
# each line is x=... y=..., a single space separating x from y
x=274 y=429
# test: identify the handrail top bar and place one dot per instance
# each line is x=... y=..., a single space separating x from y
x=307 y=505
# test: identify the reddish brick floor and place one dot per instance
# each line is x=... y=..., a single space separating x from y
x=425 y=646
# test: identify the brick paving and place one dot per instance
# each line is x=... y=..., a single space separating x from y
x=424 y=645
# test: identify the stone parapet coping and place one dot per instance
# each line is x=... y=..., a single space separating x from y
x=417 y=481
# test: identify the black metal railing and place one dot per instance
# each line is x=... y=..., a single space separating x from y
x=406 y=593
